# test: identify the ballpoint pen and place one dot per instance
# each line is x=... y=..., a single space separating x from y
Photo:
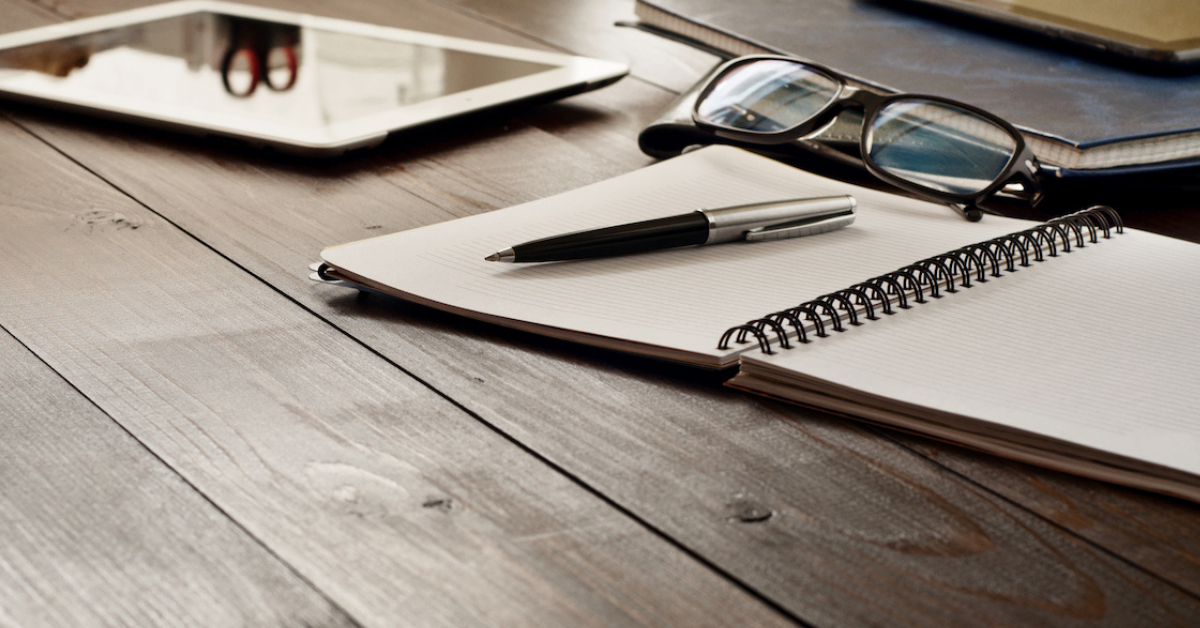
x=754 y=222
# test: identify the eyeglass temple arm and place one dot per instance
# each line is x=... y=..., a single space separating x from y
x=971 y=212
x=1023 y=183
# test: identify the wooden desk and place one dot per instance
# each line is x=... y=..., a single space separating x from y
x=195 y=434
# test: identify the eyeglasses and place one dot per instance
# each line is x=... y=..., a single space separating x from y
x=930 y=146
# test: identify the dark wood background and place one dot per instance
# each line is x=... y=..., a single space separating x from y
x=195 y=434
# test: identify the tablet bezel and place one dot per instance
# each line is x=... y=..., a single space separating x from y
x=572 y=74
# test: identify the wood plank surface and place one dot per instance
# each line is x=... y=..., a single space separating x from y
x=390 y=500
x=1159 y=533
x=99 y=532
x=586 y=28
x=1122 y=519
x=829 y=520
x=700 y=463
x=22 y=15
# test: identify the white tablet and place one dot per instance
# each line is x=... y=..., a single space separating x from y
x=297 y=83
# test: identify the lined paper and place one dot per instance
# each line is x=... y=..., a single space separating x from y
x=678 y=300
x=1086 y=362
x=1097 y=347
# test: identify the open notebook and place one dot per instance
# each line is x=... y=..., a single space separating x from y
x=1086 y=361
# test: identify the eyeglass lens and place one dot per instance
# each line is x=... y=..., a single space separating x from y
x=939 y=146
x=932 y=144
x=766 y=96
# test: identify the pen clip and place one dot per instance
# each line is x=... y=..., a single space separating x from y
x=729 y=224
x=797 y=228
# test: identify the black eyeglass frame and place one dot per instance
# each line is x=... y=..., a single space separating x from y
x=1022 y=167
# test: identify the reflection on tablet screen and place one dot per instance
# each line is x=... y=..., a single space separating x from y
x=272 y=72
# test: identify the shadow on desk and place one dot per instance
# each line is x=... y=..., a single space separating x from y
x=409 y=144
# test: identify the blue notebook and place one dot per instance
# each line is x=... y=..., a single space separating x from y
x=1079 y=114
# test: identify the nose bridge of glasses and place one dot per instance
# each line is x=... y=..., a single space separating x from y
x=852 y=95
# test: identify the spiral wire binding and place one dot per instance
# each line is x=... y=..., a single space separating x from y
x=927 y=278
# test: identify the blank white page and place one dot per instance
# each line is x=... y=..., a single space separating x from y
x=680 y=300
x=1099 y=347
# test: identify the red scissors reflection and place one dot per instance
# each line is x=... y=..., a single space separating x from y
x=245 y=66
x=259 y=52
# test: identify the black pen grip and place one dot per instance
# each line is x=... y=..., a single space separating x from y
x=648 y=235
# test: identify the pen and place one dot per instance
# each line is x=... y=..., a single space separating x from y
x=755 y=222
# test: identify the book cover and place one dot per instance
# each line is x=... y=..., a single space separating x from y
x=1080 y=113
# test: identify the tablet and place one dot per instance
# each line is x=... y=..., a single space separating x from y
x=297 y=83
x=1158 y=34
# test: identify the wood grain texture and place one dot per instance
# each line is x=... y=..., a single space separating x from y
x=99 y=532
x=587 y=28
x=22 y=14
x=837 y=525
x=390 y=500
x=1158 y=532
x=828 y=520
x=426 y=17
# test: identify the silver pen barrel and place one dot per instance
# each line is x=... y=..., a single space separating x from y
x=728 y=224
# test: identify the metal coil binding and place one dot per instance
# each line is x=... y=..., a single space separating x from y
x=951 y=271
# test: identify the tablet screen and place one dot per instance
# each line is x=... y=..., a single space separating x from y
x=257 y=70
x=298 y=83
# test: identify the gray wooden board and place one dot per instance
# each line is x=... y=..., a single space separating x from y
x=21 y=15
x=586 y=28
x=97 y=531
x=860 y=531
x=1160 y=533
x=1121 y=518
x=391 y=501
x=863 y=531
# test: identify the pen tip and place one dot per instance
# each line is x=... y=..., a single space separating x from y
x=507 y=255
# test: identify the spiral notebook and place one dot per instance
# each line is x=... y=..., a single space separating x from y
x=1073 y=344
